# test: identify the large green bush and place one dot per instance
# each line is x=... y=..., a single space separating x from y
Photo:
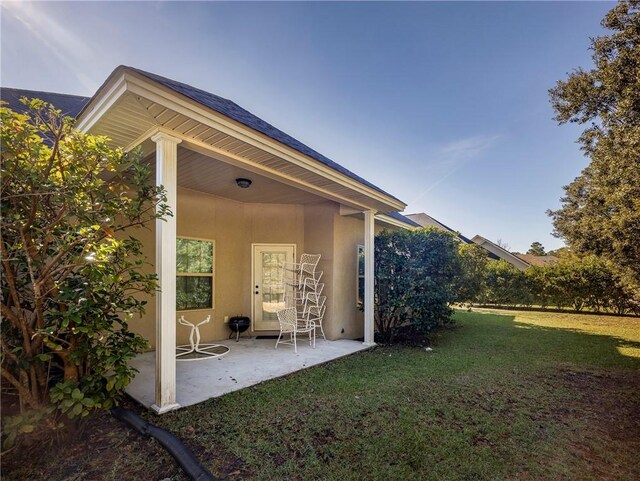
x=415 y=281
x=71 y=272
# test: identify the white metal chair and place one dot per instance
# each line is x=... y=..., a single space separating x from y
x=294 y=273
x=290 y=324
x=314 y=311
x=195 y=351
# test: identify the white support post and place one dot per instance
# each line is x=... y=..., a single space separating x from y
x=369 y=233
x=167 y=176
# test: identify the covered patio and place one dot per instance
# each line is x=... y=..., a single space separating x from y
x=200 y=146
x=249 y=362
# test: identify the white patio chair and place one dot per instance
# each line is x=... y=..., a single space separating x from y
x=314 y=312
x=288 y=319
x=196 y=351
x=311 y=284
x=295 y=272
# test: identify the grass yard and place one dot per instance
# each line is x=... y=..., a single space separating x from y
x=503 y=395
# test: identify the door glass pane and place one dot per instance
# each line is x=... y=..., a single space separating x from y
x=272 y=285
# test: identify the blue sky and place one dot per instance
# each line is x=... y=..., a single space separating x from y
x=444 y=105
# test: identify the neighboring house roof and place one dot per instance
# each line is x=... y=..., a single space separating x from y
x=424 y=220
x=501 y=253
x=540 y=261
x=70 y=105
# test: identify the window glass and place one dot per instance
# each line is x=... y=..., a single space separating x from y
x=194 y=281
x=194 y=256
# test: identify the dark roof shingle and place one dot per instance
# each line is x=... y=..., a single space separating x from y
x=70 y=105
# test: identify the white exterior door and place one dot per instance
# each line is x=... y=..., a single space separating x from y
x=268 y=289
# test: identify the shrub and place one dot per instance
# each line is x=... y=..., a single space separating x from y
x=577 y=283
x=415 y=273
x=71 y=273
x=471 y=282
x=506 y=285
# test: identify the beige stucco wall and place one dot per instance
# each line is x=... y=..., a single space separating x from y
x=318 y=239
x=337 y=238
x=349 y=320
x=234 y=226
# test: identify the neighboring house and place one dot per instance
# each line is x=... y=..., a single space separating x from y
x=495 y=251
x=246 y=196
x=540 y=261
x=424 y=220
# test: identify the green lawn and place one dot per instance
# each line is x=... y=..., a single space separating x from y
x=503 y=395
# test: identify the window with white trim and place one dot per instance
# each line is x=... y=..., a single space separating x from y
x=194 y=274
x=360 y=276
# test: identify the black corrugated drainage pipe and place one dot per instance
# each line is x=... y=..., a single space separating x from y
x=176 y=448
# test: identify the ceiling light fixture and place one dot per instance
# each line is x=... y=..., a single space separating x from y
x=243 y=183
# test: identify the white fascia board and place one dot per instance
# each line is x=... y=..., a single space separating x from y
x=109 y=94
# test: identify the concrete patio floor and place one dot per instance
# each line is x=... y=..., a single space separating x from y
x=249 y=362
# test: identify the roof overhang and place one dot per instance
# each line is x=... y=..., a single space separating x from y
x=129 y=108
x=390 y=221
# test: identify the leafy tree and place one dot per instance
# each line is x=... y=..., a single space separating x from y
x=560 y=252
x=536 y=249
x=600 y=211
x=71 y=273
x=471 y=281
x=415 y=274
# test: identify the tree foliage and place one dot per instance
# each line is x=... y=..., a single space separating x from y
x=505 y=285
x=470 y=283
x=600 y=211
x=415 y=280
x=536 y=249
x=71 y=273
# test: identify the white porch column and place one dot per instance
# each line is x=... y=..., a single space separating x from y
x=369 y=328
x=167 y=176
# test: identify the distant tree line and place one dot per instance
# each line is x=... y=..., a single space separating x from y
x=575 y=283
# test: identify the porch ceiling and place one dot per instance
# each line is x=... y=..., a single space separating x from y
x=132 y=108
x=200 y=172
